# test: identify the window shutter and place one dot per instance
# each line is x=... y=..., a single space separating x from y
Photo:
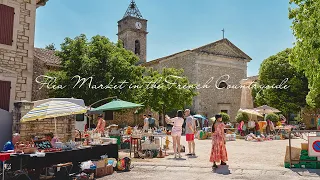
x=6 y=24
x=5 y=87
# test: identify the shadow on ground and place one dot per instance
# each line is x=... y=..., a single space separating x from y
x=224 y=170
x=301 y=172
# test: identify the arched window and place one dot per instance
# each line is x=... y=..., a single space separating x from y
x=223 y=84
x=137 y=47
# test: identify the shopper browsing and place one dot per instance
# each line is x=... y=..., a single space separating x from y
x=177 y=123
x=190 y=132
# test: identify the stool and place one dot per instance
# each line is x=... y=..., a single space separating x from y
x=3 y=158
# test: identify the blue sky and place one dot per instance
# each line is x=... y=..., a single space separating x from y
x=260 y=28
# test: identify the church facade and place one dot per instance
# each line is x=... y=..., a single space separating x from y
x=218 y=68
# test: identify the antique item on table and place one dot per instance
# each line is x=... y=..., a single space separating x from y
x=30 y=150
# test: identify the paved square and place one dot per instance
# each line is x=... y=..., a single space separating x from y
x=247 y=160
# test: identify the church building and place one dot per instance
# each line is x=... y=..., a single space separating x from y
x=218 y=67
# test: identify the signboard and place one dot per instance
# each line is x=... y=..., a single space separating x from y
x=314 y=146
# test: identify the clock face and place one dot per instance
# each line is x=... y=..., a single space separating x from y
x=138 y=25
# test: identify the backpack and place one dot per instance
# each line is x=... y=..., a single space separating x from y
x=124 y=164
x=151 y=120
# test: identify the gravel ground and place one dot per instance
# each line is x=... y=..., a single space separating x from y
x=247 y=160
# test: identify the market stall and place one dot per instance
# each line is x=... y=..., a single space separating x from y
x=41 y=160
x=147 y=145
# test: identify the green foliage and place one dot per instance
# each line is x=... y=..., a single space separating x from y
x=273 y=117
x=110 y=65
x=290 y=87
x=241 y=116
x=104 y=61
x=171 y=90
x=51 y=47
x=225 y=117
x=298 y=118
x=306 y=52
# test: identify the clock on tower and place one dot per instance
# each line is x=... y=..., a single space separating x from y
x=132 y=31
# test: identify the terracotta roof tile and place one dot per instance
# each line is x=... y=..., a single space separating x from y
x=47 y=56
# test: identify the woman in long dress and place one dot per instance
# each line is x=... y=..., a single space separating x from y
x=176 y=132
x=218 y=150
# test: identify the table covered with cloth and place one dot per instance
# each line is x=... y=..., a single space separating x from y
x=52 y=158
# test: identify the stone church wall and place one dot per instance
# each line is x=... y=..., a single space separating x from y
x=199 y=69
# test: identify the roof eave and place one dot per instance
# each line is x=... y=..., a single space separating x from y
x=41 y=3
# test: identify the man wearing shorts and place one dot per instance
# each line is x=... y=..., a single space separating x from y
x=190 y=131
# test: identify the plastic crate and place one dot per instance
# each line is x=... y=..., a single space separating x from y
x=309 y=165
x=307 y=158
x=304 y=152
x=294 y=165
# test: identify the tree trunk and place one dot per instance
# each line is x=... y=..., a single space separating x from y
x=163 y=115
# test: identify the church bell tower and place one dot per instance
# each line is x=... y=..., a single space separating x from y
x=132 y=31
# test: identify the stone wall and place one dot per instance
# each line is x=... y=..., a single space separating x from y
x=65 y=128
x=40 y=68
x=200 y=68
x=18 y=58
x=309 y=117
x=130 y=118
x=65 y=125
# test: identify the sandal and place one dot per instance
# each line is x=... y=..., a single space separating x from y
x=223 y=163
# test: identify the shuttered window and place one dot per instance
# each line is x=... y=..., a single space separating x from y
x=6 y=24
x=5 y=95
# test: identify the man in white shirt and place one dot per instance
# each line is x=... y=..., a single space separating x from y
x=145 y=123
x=190 y=132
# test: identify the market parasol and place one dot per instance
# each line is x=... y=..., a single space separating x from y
x=267 y=109
x=53 y=109
x=199 y=116
x=251 y=112
x=116 y=104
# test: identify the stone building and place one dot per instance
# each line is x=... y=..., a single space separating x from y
x=217 y=65
x=44 y=60
x=17 y=30
x=218 y=68
x=132 y=31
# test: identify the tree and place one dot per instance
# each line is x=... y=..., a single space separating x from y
x=305 y=56
x=167 y=90
x=290 y=86
x=108 y=68
x=273 y=117
x=225 y=117
x=50 y=47
x=241 y=116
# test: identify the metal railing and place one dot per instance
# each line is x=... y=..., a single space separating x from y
x=301 y=132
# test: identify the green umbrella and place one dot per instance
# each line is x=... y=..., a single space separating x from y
x=117 y=105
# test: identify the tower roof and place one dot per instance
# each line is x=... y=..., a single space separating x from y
x=133 y=11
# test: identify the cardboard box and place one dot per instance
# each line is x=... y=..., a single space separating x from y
x=304 y=146
x=295 y=154
x=101 y=164
x=100 y=172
